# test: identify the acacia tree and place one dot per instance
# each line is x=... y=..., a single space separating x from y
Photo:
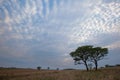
x=81 y=55
x=88 y=53
x=97 y=54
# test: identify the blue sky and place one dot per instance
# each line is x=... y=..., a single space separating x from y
x=43 y=32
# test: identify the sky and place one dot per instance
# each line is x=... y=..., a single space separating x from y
x=43 y=32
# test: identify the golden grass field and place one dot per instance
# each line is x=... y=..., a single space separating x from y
x=31 y=74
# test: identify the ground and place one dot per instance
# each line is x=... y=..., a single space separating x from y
x=32 y=74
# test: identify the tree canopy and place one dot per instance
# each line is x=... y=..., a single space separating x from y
x=88 y=53
x=97 y=54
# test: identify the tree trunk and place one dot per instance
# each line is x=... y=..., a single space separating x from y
x=86 y=66
x=96 y=65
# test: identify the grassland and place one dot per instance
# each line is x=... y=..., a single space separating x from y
x=31 y=74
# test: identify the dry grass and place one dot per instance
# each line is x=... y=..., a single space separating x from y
x=29 y=74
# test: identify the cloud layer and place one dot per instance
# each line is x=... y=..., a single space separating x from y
x=44 y=32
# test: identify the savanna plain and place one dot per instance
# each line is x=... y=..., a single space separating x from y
x=33 y=74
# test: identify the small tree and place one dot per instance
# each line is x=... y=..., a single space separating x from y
x=38 y=68
x=48 y=68
x=57 y=69
x=97 y=54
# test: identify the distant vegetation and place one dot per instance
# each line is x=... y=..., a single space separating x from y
x=39 y=68
x=88 y=54
x=117 y=65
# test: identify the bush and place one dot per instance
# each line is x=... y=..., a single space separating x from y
x=38 y=68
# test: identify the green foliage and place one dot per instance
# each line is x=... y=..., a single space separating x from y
x=81 y=55
x=97 y=54
x=88 y=53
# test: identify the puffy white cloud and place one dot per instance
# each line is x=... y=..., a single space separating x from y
x=103 y=19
